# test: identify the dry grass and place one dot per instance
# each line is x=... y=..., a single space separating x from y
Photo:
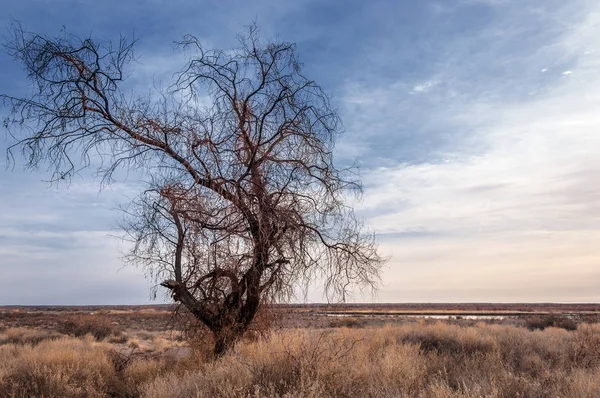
x=79 y=325
x=410 y=360
x=24 y=335
x=437 y=360
x=59 y=368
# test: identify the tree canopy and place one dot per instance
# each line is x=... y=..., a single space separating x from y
x=244 y=204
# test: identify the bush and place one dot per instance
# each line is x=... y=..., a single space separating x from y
x=585 y=347
x=542 y=322
x=80 y=325
x=57 y=368
x=348 y=323
x=27 y=336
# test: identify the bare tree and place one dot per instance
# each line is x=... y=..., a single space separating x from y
x=244 y=205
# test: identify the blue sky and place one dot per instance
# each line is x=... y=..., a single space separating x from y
x=475 y=123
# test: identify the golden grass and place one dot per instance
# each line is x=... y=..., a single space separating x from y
x=438 y=360
x=410 y=360
x=64 y=367
x=24 y=335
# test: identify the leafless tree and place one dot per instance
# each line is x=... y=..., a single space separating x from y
x=244 y=204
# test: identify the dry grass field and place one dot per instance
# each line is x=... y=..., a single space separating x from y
x=130 y=352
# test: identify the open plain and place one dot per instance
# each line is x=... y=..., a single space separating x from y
x=395 y=350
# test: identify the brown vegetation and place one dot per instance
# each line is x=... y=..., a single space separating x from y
x=79 y=325
x=410 y=359
x=552 y=320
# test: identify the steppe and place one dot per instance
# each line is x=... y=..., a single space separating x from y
x=313 y=350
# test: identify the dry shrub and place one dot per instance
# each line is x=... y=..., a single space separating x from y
x=118 y=339
x=69 y=367
x=79 y=325
x=23 y=335
x=348 y=322
x=541 y=322
x=302 y=363
x=133 y=343
x=442 y=338
x=137 y=367
x=409 y=360
x=435 y=360
x=292 y=360
x=585 y=347
x=58 y=368
x=582 y=383
x=218 y=379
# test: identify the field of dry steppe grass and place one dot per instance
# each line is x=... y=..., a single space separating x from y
x=101 y=355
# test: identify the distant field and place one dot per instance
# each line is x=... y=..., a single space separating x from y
x=469 y=311
x=392 y=308
x=157 y=317
x=415 y=308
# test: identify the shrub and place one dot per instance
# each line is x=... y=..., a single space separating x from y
x=347 y=322
x=542 y=322
x=79 y=325
x=59 y=368
x=27 y=336
x=585 y=347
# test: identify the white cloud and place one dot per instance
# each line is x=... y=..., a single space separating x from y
x=424 y=87
x=519 y=220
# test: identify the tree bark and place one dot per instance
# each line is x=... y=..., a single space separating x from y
x=224 y=340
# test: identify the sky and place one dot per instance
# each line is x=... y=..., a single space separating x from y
x=475 y=123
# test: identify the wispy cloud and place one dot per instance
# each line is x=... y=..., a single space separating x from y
x=475 y=123
x=521 y=214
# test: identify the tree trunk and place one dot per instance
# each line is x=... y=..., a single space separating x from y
x=224 y=340
x=226 y=333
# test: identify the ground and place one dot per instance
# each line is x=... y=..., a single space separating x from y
x=395 y=350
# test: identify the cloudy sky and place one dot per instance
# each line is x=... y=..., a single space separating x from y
x=476 y=124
